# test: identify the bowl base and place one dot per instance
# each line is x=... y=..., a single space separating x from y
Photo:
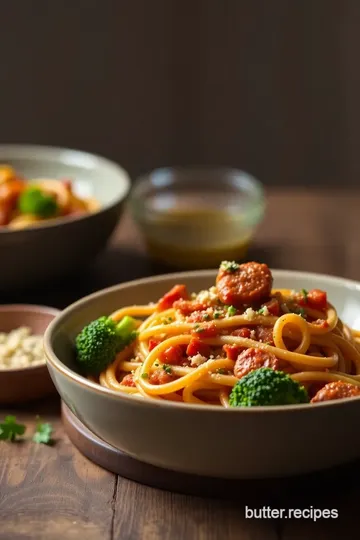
x=274 y=491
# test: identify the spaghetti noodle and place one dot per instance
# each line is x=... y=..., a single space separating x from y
x=194 y=348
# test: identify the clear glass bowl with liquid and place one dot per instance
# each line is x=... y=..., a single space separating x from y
x=197 y=217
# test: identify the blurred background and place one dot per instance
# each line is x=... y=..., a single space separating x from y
x=270 y=87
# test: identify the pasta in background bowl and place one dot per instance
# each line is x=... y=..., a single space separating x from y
x=58 y=208
x=26 y=202
x=170 y=403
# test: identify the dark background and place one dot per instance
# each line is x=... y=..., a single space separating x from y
x=269 y=86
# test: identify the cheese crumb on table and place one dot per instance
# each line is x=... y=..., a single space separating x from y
x=21 y=349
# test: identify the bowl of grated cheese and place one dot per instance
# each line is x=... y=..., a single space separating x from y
x=23 y=372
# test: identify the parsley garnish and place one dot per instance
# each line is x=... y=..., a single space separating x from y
x=217 y=315
x=145 y=376
x=229 y=266
x=300 y=311
x=199 y=329
x=43 y=433
x=260 y=311
x=305 y=294
x=10 y=429
x=206 y=317
x=167 y=369
x=221 y=371
x=231 y=310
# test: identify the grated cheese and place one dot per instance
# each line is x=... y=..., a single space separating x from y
x=249 y=314
x=20 y=349
x=208 y=296
x=197 y=360
x=252 y=334
x=265 y=311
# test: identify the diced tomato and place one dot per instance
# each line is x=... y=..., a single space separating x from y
x=273 y=307
x=160 y=376
x=321 y=323
x=167 y=301
x=186 y=307
x=317 y=299
x=232 y=351
x=128 y=380
x=153 y=342
x=242 y=332
x=205 y=330
x=198 y=347
x=172 y=355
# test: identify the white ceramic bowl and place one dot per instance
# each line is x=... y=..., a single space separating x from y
x=207 y=440
x=59 y=247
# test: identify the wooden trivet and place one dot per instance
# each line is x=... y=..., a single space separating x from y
x=276 y=491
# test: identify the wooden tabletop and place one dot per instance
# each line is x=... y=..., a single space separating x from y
x=54 y=493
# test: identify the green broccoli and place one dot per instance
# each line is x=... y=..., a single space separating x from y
x=36 y=202
x=98 y=343
x=264 y=387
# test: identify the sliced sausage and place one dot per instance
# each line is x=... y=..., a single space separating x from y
x=251 y=359
x=336 y=390
x=244 y=284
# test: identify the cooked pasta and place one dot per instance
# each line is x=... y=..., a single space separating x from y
x=195 y=347
x=29 y=203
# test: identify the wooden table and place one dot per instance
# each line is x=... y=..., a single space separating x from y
x=54 y=493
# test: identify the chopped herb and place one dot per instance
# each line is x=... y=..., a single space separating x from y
x=10 y=429
x=145 y=376
x=169 y=320
x=217 y=315
x=167 y=369
x=156 y=364
x=206 y=317
x=300 y=311
x=43 y=433
x=229 y=266
x=260 y=311
x=231 y=310
x=221 y=371
x=305 y=294
x=199 y=329
x=196 y=326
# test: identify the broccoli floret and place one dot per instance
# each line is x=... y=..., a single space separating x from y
x=266 y=386
x=99 y=342
x=36 y=202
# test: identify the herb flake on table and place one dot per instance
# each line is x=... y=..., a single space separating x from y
x=43 y=433
x=10 y=429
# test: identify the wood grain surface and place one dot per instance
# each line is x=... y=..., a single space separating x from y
x=54 y=493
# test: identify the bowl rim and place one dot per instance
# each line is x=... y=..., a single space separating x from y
x=32 y=308
x=72 y=156
x=78 y=379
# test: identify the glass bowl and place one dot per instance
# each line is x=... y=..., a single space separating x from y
x=197 y=217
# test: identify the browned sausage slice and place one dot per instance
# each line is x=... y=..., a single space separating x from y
x=251 y=359
x=244 y=284
x=336 y=390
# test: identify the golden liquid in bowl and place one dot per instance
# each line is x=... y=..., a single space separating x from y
x=196 y=238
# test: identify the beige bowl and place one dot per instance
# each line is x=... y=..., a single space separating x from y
x=26 y=384
x=59 y=247
x=207 y=440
